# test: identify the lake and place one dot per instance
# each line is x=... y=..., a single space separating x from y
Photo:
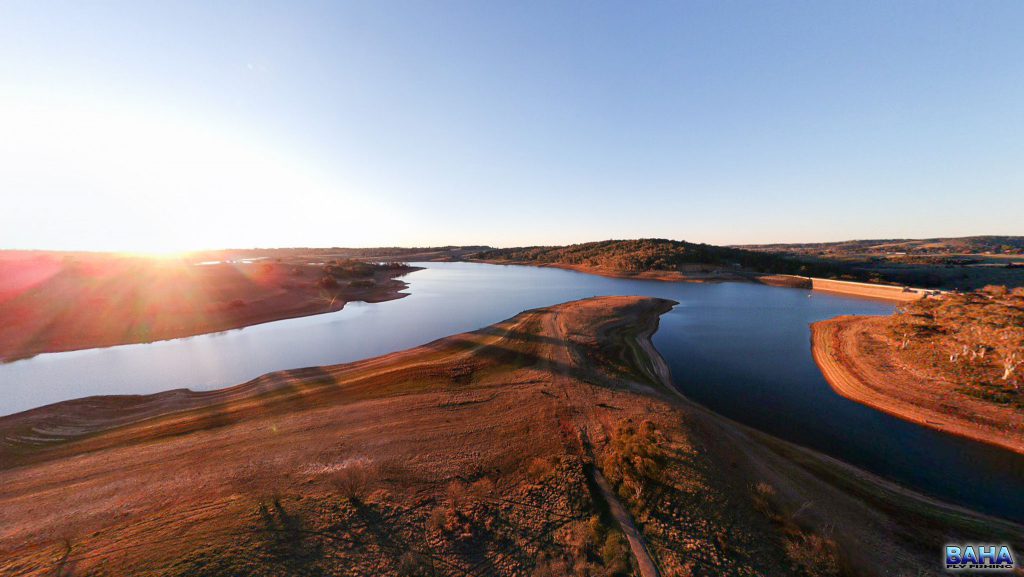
x=742 y=350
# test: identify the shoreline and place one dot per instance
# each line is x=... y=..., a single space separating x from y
x=880 y=292
x=76 y=423
x=803 y=456
x=287 y=305
x=553 y=381
x=838 y=346
x=803 y=475
x=390 y=289
x=657 y=275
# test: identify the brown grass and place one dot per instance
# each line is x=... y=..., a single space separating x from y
x=473 y=455
x=862 y=363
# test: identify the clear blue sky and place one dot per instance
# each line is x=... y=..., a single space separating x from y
x=177 y=125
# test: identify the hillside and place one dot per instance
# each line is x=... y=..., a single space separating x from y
x=968 y=245
x=384 y=253
x=966 y=263
x=390 y=467
x=53 y=301
x=635 y=257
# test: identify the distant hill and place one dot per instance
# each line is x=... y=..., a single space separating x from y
x=928 y=246
x=386 y=253
x=964 y=263
x=657 y=254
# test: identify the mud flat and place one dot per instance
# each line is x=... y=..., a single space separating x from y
x=480 y=453
x=859 y=365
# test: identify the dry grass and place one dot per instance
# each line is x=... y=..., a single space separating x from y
x=379 y=464
x=863 y=362
x=469 y=456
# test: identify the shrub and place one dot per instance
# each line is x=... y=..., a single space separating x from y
x=540 y=469
x=412 y=564
x=354 y=480
x=813 y=554
x=762 y=495
x=327 y=282
x=976 y=338
x=614 y=556
x=636 y=458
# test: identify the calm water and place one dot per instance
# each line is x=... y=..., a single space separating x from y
x=742 y=350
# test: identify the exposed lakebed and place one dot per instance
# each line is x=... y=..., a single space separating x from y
x=741 y=349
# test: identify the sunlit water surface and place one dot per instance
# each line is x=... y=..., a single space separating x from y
x=743 y=350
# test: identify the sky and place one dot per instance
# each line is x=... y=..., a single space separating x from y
x=166 y=126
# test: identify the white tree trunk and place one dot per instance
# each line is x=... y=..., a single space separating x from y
x=1010 y=364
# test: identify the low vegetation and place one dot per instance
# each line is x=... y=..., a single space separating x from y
x=636 y=459
x=386 y=467
x=355 y=273
x=965 y=263
x=927 y=246
x=655 y=254
x=976 y=338
x=809 y=553
x=504 y=451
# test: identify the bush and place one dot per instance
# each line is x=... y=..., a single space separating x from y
x=327 y=282
x=636 y=458
x=412 y=564
x=540 y=469
x=763 y=494
x=614 y=556
x=975 y=338
x=813 y=554
x=354 y=480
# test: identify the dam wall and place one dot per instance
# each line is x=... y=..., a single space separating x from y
x=862 y=289
x=888 y=292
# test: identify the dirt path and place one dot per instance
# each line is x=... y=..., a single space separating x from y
x=636 y=541
x=637 y=545
x=339 y=468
